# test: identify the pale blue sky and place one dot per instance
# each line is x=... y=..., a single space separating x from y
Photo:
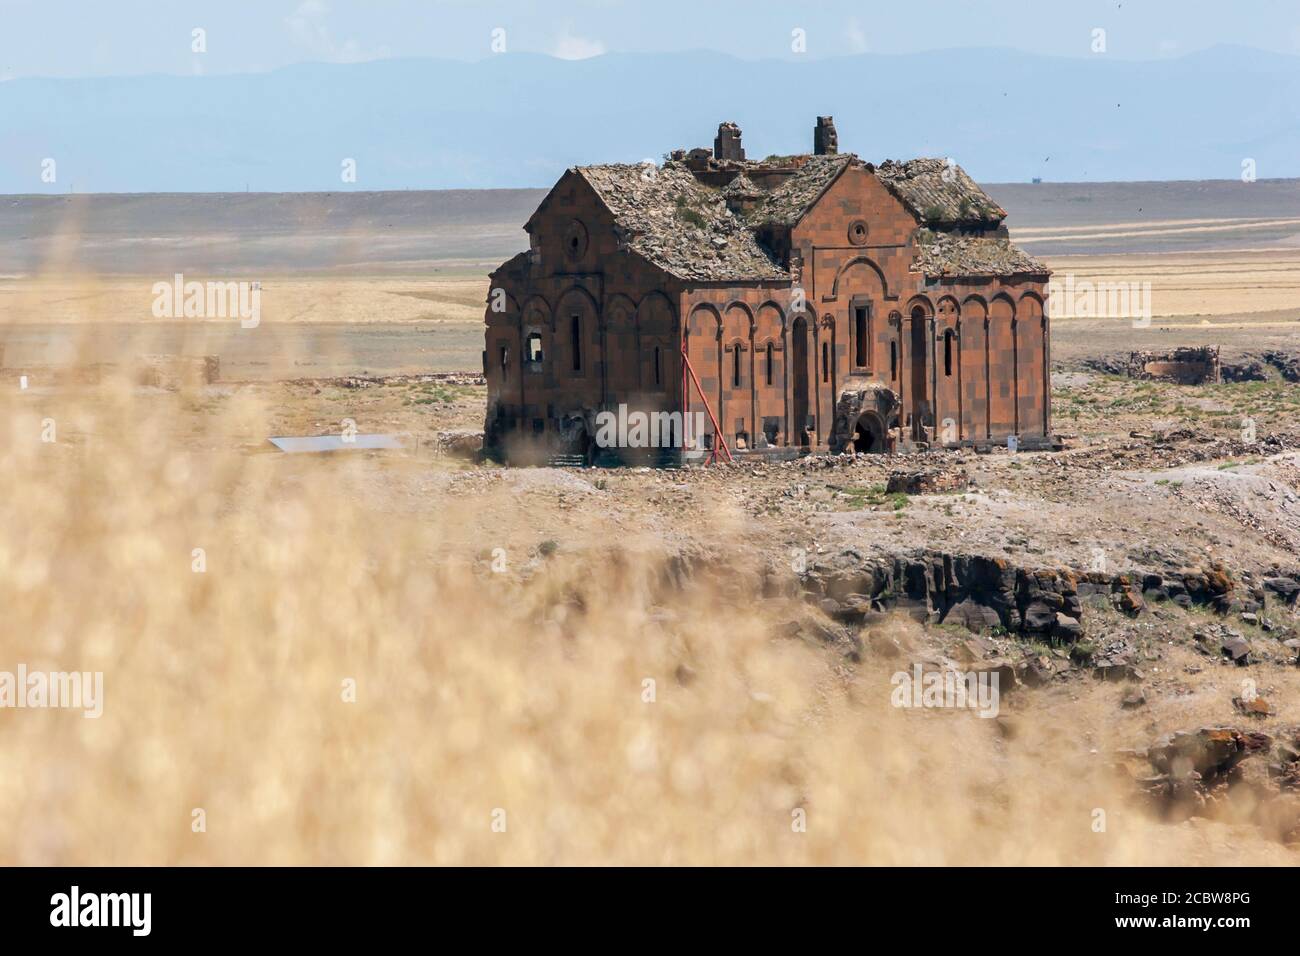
x=67 y=38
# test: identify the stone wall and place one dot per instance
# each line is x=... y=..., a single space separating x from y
x=627 y=343
x=1190 y=365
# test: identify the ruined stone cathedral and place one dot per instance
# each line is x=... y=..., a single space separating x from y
x=814 y=302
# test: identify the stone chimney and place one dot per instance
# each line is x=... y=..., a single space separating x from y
x=727 y=144
x=825 y=142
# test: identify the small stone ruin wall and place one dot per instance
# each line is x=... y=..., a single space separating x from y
x=1192 y=365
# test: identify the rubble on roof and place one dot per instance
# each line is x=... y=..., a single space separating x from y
x=699 y=232
x=939 y=191
x=787 y=203
x=666 y=215
x=742 y=185
x=950 y=254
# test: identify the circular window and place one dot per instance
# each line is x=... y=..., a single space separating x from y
x=858 y=232
x=575 y=240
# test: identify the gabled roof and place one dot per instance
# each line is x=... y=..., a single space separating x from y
x=680 y=225
x=939 y=191
x=685 y=227
x=952 y=254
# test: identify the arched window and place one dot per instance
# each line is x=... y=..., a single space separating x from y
x=769 y=363
x=735 y=366
x=826 y=361
x=947 y=351
x=658 y=368
x=893 y=360
x=575 y=333
x=533 y=352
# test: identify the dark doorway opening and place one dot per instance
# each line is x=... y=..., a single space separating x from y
x=869 y=435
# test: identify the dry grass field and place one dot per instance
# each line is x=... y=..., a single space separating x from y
x=385 y=325
x=409 y=657
x=1201 y=284
x=346 y=680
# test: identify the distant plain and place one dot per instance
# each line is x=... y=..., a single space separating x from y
x=394 y=282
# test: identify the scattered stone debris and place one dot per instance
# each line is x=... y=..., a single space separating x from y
x=1237 y=649
x=952 y=254
x=1253 y=706
x=460 y=443
x=1284 y=769
x=1197 y=761
x=927 y=482
x=1134 y=699
x=371 y=381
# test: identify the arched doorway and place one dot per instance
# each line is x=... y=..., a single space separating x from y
x=799 y=381
x=869 y=435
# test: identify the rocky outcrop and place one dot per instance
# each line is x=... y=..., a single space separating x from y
x=1258 y=367
x=984 y=592
x=973 y=590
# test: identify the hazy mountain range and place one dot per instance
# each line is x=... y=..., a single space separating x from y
x=517 y=120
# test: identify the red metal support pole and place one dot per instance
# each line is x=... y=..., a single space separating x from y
x=686 y=399
x=717 y=429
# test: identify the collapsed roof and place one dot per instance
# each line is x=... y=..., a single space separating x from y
x=699 y=231
x=939 y=191
x=679 y=224
x=949 y=255
x=786 y=204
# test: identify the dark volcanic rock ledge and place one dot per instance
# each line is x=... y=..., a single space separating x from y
x=989 y=592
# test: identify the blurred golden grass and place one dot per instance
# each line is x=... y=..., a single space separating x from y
x=475 y=691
